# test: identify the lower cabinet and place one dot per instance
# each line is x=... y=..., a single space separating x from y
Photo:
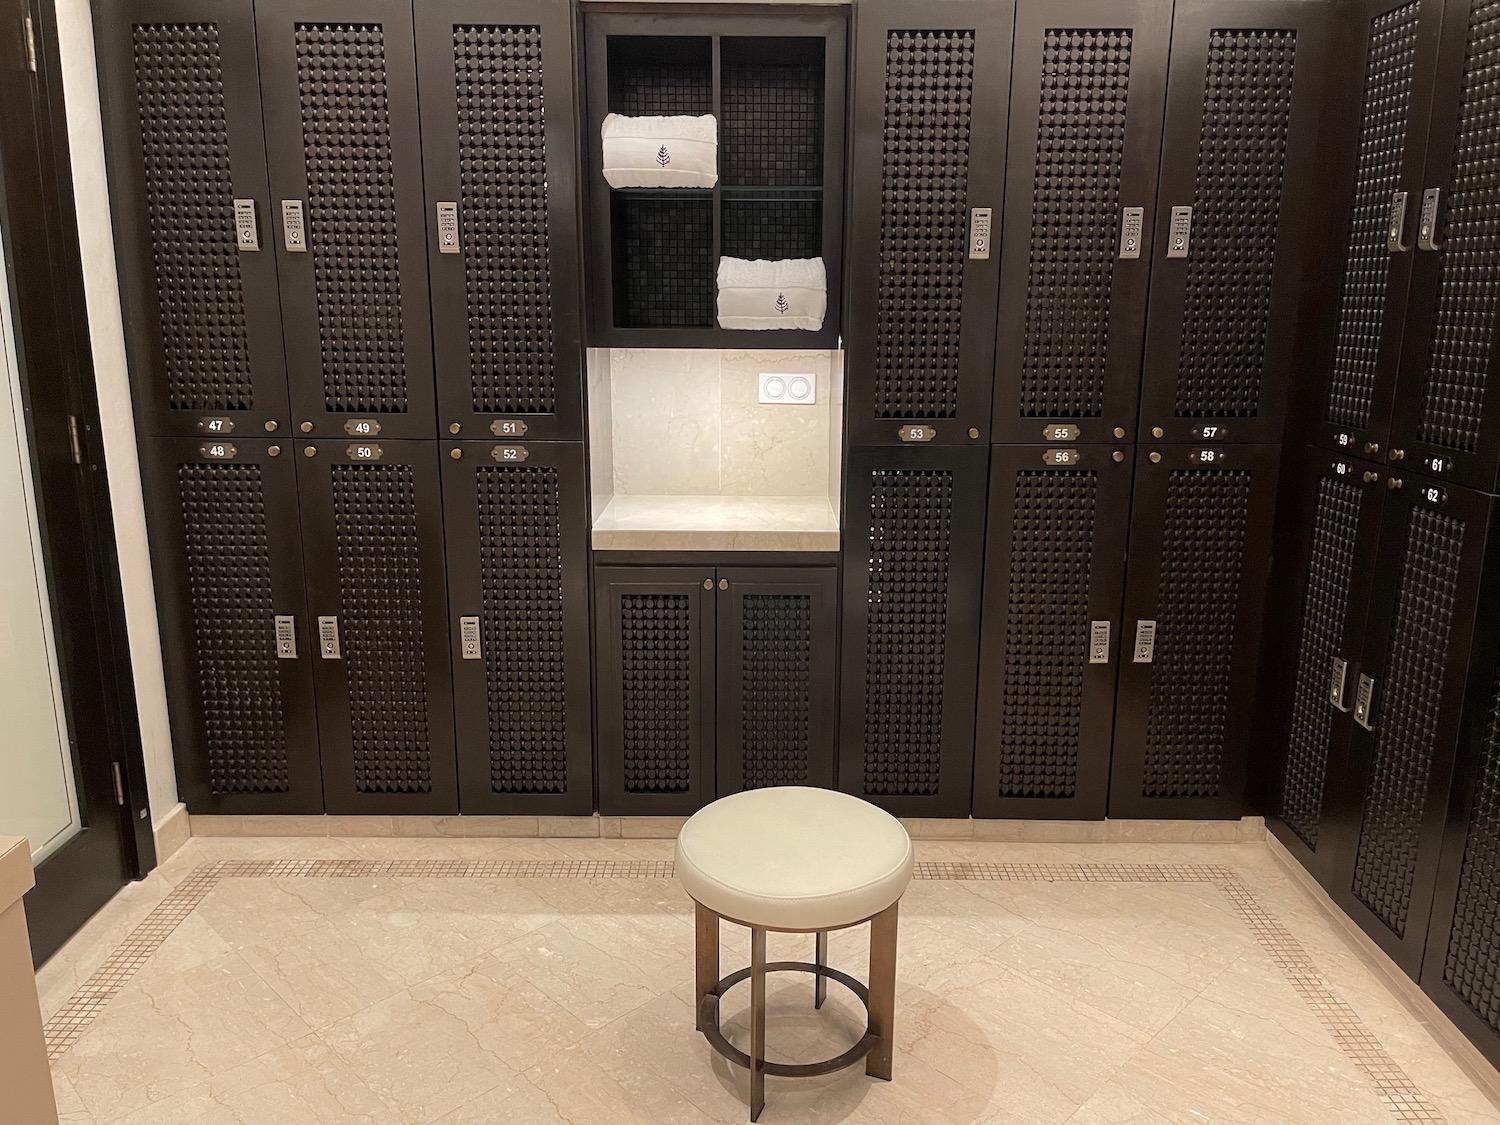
x=712 y=680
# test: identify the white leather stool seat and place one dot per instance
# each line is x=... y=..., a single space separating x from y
x=794 y=858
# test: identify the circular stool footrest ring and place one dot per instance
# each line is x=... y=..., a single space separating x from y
x=708 y=1019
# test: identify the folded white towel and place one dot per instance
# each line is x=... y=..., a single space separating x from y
x=789 y=293
x=661 y=152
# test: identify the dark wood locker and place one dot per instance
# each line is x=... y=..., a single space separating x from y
x=1407 y=710
x=913 y=560
x=1381 y=61
x=226 y=555
x=1338 y=527
x=339 y=85
x=655 y=649
x=1088 y=87
x=928 y=118
x=1051 y=631
x=499 y=152
x=777 y=664
x=516 y=525
x=1445 y=422
x=1231 y=219
x=1200 y=553
x=181 y=95
x=372 y=532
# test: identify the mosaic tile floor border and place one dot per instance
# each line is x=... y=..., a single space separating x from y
x=1392 y=1085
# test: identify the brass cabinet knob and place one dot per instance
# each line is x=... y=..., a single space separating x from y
x=1119 y=455
x=455 y=453
x=723 y=583
x=1155 y=458
x=708 y=583
x=274 y=450
x=271 y=427
x=310 y=451
x=1394 y=483
x=1157 y=431
x=454 y=427
x=1371 y=476
x=1372 y=447
x=1119 y=431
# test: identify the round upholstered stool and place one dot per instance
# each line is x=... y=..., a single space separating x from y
x=796 y=860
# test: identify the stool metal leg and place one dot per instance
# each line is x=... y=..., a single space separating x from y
x=820 y=956
x=882 y=991
x=757 y=1022
x=707 y=949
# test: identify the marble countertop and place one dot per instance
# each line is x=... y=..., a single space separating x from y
x=717 y=523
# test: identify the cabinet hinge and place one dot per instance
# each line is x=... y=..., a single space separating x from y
x=30 y=44
x=73 y=442
x=119 y=785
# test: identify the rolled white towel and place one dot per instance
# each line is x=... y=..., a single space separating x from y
x=787 y=293
x=660 y=152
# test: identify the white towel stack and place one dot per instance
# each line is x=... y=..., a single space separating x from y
x=661 y=152
x=788 y=293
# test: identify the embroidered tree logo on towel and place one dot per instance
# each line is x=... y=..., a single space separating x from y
x=663 y=157
x=781 y=303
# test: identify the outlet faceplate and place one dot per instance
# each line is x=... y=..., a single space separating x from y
x=779 y=389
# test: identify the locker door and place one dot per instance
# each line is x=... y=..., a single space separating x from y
x=373 y=535
x=1445 y=421
x=227 y=557
x=654 y=642
x=516 y=520
x=1382 y=59
x=1402 y=751
x=1054 y=578
x=778 y=676
x=1073 y=281
x=928 y=111
x=913 y=559
x=340 y=92
x=186 y=155
x=499 y=152
x=1337 y=527
x=1200 y=552
x=1239 y=152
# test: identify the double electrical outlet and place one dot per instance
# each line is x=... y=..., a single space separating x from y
x=797 y=390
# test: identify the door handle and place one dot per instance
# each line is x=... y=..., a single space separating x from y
x=328 y=639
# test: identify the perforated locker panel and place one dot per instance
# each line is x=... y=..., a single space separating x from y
x=1088 y=85
x=911 y=572
x=498 y=145
x=228 y=566
x=929 y=113
x=777 y=676
x=185 y=143
x=1194 y=605
x=655 y=674
x=517 y=559
x=372 y=524
x=1050 y=639
x=343 y=144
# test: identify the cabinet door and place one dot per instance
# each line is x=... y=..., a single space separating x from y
x=929 y=111
x=1446 y=421
x=1201 y=522
x=1239 y=150
x=1402 y=751
x=1378 y=99
x=654 y=643
x=778 y=675
x=182 y=100
x=1054 y=577
x=1073 y=280
x=1337 y=528
x=912 y=564
x=516 y=520
x=373 y=535
x=498 y=153
x=340 y=90
x=227 y=558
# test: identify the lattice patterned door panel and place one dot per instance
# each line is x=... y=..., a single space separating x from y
x=185 y=145
x=912 y=561
x=777 y=676
x=1446 y=417
x=1240 y=143
x=227 y=559
x=498 y=148
x=929 y=112
x=1401 y=757
x=516 y=521
x=1050 y=638
x=1194 y=601
x=373 y=537
x=655 y=688
x=340 y=92
x=1383 y=54
x=1088 y=89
